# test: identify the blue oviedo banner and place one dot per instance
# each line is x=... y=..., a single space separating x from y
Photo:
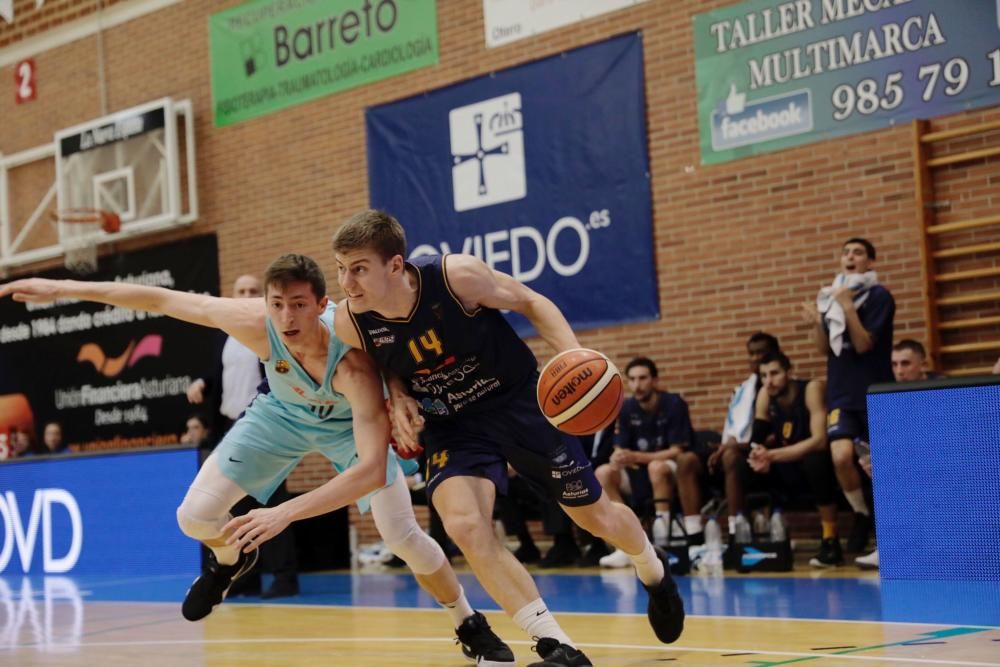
x=773 y=74
x=540 y=170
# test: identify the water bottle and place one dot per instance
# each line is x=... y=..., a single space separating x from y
x=761 y=527
x=713 y=547
x=352 y=541
x=743 y=534
x=778 y=531
x=661 y=531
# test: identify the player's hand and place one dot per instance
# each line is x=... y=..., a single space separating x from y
x=713 y=459
x=34 y=290
x=844 y=296
x=810 y=314
x=760 y=459
x=196 y=391
x=407 y=422
x=255 y=527
x=622 y=457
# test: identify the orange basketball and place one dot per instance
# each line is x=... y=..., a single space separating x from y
x=580 y=391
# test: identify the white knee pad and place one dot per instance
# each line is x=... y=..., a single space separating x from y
x=422 y=554
x=198 y=528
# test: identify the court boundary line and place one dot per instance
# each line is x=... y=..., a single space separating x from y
x=442 y=640
x=306 y=605
x=556 y=612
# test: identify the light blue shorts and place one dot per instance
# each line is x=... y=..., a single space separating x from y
x=266 y=443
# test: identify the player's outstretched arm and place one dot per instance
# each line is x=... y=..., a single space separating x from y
x=476 y=284
x=241 y=318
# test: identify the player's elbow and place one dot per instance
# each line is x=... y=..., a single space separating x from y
x=371 y=476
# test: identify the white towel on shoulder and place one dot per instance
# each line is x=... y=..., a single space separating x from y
x=739 y=416
x=833 y=312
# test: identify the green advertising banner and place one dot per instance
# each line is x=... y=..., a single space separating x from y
x=773 y=74
x=272 y=54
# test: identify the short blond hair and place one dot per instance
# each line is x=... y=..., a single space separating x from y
x=372 y=229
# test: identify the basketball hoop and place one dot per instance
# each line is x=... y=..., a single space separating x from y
x=80 y=230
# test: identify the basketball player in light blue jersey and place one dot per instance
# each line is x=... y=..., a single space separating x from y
x=324 y=397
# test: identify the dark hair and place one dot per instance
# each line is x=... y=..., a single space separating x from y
x=371 y=229
x=869 y=248
x=642 y=361
x=296 y=269
x=776 y=355
x=910 y=344
x=772 y=342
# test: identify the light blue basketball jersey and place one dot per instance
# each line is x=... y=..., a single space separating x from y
x=304 y=399
x=297 y=417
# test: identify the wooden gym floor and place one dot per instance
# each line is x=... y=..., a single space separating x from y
x=362 y=618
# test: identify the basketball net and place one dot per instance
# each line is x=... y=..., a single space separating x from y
x=80 y=230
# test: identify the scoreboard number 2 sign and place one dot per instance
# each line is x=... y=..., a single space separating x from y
x=26 y=87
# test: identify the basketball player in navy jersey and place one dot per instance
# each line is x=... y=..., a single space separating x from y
x=463 y=382
x=324 y=397
x=789 y=443
x=864 y=359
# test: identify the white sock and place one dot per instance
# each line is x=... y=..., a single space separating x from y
x=536 y=619
x=692 y=524
x=648 y=565
x=459 y=609
x=732 y=524
x=857 y=501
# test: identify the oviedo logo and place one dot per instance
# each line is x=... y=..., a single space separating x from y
x=25 y=537
x=487 y=147
x=148 y=346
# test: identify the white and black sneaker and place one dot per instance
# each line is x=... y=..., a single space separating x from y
x=211 y=587
x=481 y=645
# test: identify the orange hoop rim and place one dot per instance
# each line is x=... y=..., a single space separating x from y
x=109 y=220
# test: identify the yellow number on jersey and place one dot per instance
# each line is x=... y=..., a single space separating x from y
x=429 y=342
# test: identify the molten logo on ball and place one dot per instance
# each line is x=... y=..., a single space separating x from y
x=580 y=391
x=570 y=387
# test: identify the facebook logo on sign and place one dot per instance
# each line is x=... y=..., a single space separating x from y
x=487 y=147
x=741 y=123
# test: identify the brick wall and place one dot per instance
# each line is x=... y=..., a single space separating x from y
x=739 y=246
x=30 y=21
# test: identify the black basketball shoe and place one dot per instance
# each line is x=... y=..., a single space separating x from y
x=666 y=608
x=211 y=587
x=555 y=654
x=830 y=554
x=481 y=644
